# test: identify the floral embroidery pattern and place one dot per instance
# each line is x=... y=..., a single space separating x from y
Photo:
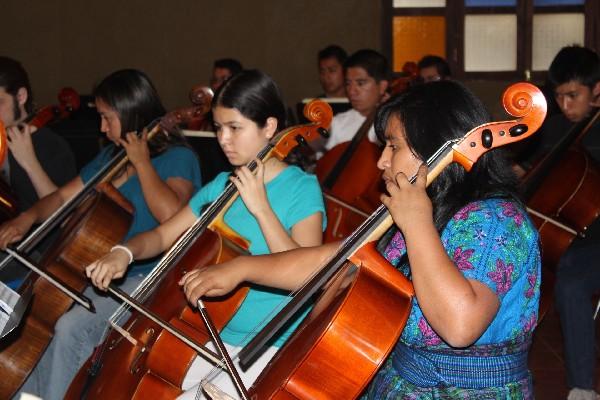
x=486 y=245
x=510 y=210
x=396 y=248
x=493 y=242
x=461 y=258
x=464 y=212
x=502 y=276
x=532 y=280
x=530 y=323
x=429 y=336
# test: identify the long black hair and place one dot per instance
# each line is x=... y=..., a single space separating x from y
x=133 y=96
x=255 y=95
x=433 y=114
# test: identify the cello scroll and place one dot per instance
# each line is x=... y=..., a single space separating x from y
x=522 y=100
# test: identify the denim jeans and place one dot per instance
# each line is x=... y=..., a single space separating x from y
x=578 y=278
x=76 y=334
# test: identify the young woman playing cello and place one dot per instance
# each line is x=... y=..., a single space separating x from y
x=281 y=208
x=159 y=179
x=466 y=244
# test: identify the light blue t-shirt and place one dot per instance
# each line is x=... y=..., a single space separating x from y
x=175 y=162
x=293 y=195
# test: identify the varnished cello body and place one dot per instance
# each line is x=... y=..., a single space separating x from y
x=154 y=368
x=84 y=238
x=342 y=343
x=568 y=193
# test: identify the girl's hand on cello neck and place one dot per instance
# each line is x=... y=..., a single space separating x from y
x=137 y=149
x=251 y=187
x=408 y=204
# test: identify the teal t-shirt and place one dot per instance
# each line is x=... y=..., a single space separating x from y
x=175 y=162
x=293 y=195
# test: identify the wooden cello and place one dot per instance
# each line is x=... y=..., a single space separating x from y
x=569 y=192
x=342 y=343
x=98 y=218
x=142 y=359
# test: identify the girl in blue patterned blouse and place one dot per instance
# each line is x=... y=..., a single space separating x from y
x=466 y=244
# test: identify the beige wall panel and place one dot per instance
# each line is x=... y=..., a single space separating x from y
x=75 y=43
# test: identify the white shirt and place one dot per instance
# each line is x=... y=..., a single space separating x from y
x=344 y=126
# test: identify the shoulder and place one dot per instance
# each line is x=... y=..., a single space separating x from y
x=496 y=214
x=178 y=160
x=346 y=116
x=301 y=180
x=45 y=136
x=176 y=153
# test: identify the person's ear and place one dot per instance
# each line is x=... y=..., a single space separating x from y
x=596 y=90
x=22 y=96
x=383 y=86
x=270 y=127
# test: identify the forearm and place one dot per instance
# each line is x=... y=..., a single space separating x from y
x=275 y=234
x=289 y=269
x=146 y=245
x=44 y=207
x=162 y=200
x=151 y=243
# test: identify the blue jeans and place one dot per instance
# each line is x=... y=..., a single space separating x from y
x=76 y=334
x=577 y=279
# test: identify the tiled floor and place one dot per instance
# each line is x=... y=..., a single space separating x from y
x=546 y=359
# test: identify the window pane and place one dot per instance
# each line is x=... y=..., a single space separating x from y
x=490 y=42
x=490 y=3
x=553 y=31
x=415 y=37
x=419 y=3
x=558 y=2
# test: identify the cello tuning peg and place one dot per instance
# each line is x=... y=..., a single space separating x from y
x=518 y=130
x=301 y=141
x=487 y=139
x=323 y=132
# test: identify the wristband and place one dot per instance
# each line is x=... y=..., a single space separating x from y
x=125 y=249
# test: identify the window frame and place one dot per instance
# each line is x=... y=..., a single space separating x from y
x=455 y=12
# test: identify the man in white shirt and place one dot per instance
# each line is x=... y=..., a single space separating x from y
x=366 y=82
